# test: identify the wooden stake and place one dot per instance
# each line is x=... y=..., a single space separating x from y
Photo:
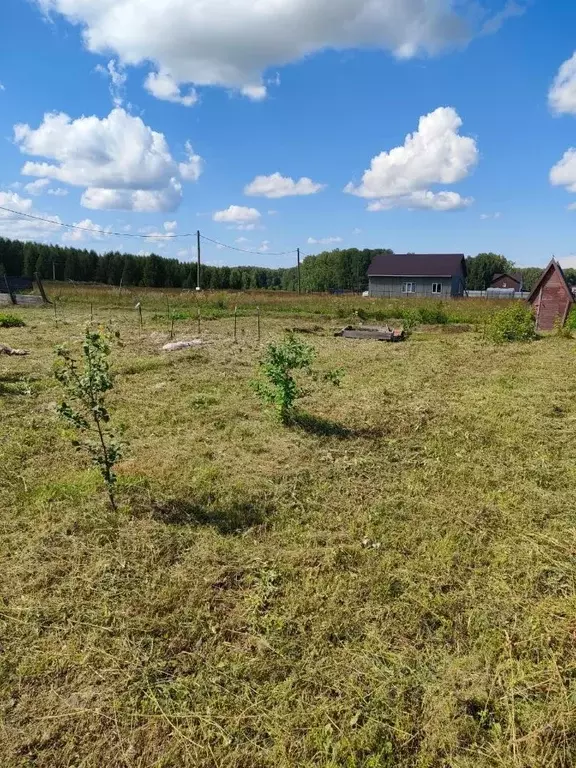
x=236 y=324
x=10 y=291
x=41 y=288
x=258 y=316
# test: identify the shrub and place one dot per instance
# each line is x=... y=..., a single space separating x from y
x=515 y=323
x=571 y=321
x=279 y=387
x=360 y=314
x=433 y=315
x=89 y=416
x=11 y=321
x=561 y=329
x=410 y=319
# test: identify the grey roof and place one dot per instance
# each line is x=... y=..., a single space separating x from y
x=514 y=275
x=417 y=265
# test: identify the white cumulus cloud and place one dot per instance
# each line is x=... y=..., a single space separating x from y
x=117 y=81
x=163 y=86
x=21 y=228
x=434 y=154
x=423 y=200
x=232 y=44
x=139 y=200
x=324 y=240
x=276 y=186
x=562 y=95
x=192 y=169
x=87 y=230
x=37 y=187
x=58 y=192
x=562 y=100
x=563 y=174
x=239 y=216
x=119 y=160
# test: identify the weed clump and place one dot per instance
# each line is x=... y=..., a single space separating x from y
x=11 y=321
x=515 y=323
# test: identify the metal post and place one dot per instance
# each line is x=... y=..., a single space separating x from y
x=258 y=315
x=299 y=283
x=198 y=286
x=235 y=324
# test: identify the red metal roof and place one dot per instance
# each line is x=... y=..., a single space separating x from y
x=417 y=265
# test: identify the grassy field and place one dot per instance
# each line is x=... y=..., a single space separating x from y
x=223 y=303
x=390 y=585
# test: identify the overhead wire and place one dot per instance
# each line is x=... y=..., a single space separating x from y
x=96 y=231
x=245 y=250
x=153 y=236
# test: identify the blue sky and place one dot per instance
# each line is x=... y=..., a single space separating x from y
x=199 y=103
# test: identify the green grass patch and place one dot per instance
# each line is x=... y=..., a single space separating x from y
x=11 y=321
x=389 y=581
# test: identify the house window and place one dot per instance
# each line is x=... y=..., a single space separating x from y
x=436 y=287
x=408 y=287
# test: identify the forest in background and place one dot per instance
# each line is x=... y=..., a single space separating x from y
x=336 y=270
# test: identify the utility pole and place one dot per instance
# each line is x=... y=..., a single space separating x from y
x=299 y=283
x=198 y=286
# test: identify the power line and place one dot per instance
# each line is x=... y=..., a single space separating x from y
x=245 y=250
x=156 y=236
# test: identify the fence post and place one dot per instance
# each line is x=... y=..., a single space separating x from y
x=41 y=288
x=10 y=291
x=236 y=324
x=258 y=316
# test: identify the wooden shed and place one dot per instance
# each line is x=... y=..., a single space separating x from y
x=551 y=297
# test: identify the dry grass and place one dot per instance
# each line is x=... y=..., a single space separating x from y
x=392 y=584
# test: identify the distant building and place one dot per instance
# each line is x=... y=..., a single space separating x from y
x=551 y=297
x=507 y=281
x=435 y=275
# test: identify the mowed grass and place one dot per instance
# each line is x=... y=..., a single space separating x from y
x=390 y=584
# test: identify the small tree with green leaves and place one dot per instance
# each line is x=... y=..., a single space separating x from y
x=85 y=407
x=515 y=323
x=278 y=385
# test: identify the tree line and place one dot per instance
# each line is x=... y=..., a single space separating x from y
x=329 y=271
x=483 y=267
x=55 y=262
